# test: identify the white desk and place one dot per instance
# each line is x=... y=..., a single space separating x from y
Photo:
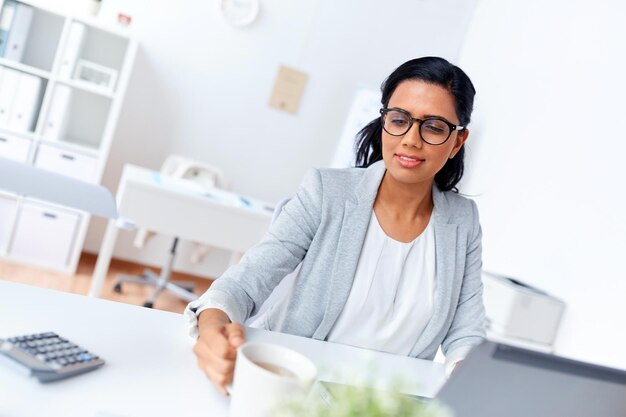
x=151 y=370
x=180 y=208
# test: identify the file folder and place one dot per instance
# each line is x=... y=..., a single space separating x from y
x=54 y=127
x=8 y=88
x=72 y=49
x=24 y=110
x=6 y=21
x=18 y=35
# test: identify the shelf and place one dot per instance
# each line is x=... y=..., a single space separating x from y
x=82 y=119
x=87 y=87
x=73 y=119
x=40 y=33
x=27 y=135
x=25 y=68
x=119 y=31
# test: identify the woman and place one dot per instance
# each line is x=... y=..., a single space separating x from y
x=390 y=253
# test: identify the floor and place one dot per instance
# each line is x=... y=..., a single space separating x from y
x=79 y=284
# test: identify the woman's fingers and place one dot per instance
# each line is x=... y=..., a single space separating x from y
x=219 y=380
x=216 y=350
x=234 y=334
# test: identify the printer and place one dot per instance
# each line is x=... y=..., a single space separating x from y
x=520 y=314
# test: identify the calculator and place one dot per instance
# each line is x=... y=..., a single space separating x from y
x=48 y=356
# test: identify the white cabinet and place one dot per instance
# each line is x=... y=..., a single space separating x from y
x=37 y=225
x=61 y=90
x=8 y=209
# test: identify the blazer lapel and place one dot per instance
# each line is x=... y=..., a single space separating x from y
x=446 y=244
x=356 y=217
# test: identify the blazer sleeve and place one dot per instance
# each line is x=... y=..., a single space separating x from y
x=468 y=325
x=243 y=288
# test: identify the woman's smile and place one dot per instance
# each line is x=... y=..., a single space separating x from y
x=407 y=161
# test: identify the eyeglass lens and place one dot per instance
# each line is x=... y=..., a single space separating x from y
x=433 y=131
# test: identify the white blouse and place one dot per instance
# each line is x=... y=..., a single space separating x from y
x=391 y=300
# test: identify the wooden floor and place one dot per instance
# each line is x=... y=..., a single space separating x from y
x=79 y=284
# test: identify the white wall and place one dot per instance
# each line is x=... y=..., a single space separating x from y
x=547 y=153
x=201 y=87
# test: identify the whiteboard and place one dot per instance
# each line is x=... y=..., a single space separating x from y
x=364 y=109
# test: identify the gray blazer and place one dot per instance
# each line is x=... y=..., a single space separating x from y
x=323 y=228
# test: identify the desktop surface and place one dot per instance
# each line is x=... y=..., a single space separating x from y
x=150 y=368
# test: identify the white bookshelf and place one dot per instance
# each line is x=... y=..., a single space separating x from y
x=72 y=117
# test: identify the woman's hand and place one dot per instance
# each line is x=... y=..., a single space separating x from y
x=216 y=347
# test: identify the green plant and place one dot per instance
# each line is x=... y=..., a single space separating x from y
x=348 y=401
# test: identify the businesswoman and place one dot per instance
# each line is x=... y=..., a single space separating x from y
x=389 y=252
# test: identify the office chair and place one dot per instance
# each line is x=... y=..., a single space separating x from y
x=178 y=167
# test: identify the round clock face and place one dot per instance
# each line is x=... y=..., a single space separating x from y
x=239 y=12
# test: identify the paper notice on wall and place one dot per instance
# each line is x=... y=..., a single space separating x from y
x=288 y=89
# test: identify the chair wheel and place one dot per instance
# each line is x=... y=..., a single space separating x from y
x=148 y=304
x=118 y=288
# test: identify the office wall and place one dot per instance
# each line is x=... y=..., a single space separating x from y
x=201 y=87
x=547 y=158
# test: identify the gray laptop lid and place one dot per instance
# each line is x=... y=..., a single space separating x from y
x=501 y=380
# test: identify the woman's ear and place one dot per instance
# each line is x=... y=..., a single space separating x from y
x=461 y=137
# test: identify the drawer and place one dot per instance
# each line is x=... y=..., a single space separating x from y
x=8 y=210
x=44 y=235
x=14 y=147
x=66 y=162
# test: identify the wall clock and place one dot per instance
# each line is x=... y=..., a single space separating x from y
x=239 y=12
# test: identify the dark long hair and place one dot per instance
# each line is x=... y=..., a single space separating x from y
x=432 y=70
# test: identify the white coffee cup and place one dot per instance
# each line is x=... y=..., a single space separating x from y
x=266 y=375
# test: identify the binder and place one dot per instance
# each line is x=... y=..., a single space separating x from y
x=24 y=110
x=8 y=88
x=72 y=49
x=18 y=35
x=55 y=124
x=6 y=20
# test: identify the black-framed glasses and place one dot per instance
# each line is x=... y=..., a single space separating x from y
x=433 y=130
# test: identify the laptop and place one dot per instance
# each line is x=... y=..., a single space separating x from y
x=501 y=380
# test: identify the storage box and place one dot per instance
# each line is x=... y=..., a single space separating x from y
x=14 y=147
x=66 y=162
x=39 y=225
x=517 y=310
x=98 y=75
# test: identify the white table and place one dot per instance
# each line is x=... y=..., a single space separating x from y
x=150 y=368
x=181 y=208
